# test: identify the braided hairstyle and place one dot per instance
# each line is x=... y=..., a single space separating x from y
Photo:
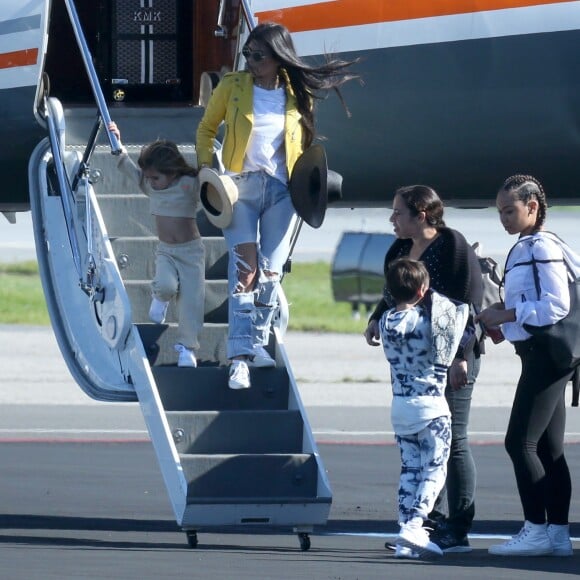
x=524 y=188
x=420 y=198
x=165 y=157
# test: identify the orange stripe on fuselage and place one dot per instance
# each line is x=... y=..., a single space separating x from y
x=340 y=13
x=18 y=58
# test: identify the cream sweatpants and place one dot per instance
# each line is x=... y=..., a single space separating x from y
x=180 y=274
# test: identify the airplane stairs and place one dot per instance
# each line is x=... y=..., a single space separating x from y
x=229 y=458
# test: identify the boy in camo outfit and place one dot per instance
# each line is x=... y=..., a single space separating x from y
x=420 y=337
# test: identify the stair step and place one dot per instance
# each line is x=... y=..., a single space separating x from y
x=136 y=257
x=231 y=432
x=206 y=389
x=216 y=301
x=251 y=477
x=159 y=341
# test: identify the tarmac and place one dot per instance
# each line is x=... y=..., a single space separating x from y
x=81 y=494
x=344 y=385
x=336 y=373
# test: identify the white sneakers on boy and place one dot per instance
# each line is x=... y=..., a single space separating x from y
x=186 y=357
x=406 y=553
x=158 y=311
x=239 y=375
x=261 y=359
x=531 y=540
x=560 y=539
x=414 y=536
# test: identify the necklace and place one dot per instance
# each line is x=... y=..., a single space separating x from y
x=270 y=85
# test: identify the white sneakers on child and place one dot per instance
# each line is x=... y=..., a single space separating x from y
x=158 y=311
x=415 y=537
x=261 y=359
x=186 y=357
x=239 y=375
x=531 y=540
x=405 y=553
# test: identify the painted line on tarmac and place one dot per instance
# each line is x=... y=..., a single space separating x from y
x=322 y=436
x=392 y=433
x=391 y=536
x=75 y=431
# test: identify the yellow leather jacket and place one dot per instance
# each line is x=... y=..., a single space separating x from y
x=232 y=102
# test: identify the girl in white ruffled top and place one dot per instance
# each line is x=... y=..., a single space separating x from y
x=535 y=434
x=173 y=190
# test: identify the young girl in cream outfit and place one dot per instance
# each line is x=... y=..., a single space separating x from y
x=173 y=190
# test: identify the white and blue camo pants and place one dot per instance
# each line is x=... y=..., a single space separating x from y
x=424 y=458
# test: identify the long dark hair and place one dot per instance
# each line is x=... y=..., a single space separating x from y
x=309 y=82
x=420 y=198
x=165 y=157
x=524 y=188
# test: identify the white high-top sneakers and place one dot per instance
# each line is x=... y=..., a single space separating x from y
x=532 y=540
x=560 y=538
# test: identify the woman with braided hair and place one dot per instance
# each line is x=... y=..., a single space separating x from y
x=536 y=293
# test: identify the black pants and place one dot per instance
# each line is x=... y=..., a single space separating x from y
x=535 y=437
x=458 y=495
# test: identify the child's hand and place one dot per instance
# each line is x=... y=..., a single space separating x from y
x=114 y=129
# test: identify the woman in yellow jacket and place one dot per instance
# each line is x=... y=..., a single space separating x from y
x=269 y=121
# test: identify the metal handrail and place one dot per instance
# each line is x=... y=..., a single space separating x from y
x=66 y=189
x=94 y=81
x=250 y=20
x=64 y=186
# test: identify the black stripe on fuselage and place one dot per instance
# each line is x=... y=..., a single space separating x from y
x=460 y=116
x=20 y=134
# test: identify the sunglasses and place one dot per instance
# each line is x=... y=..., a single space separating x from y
x=255 y=55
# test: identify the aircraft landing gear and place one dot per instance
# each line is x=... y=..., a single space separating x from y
x=191 y=536
x=304 y=540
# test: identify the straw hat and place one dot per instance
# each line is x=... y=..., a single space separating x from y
x=218 y=194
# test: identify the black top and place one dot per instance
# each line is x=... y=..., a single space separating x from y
x=453 y=270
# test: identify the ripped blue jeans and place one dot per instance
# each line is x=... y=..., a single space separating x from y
x=263 y=215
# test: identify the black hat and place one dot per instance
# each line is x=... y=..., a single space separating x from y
x=309 y=185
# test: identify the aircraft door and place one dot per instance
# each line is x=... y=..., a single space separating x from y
x=150 y=50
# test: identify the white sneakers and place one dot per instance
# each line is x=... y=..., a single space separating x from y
x=405 y=553
x=239 y=369
x=415 y=537
x=239 y=375
x=560 y=539
x=158 y=311
x=261 y=358
x=534 y=540
x=186 y=357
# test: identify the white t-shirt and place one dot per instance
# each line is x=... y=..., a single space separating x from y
x=266 y=151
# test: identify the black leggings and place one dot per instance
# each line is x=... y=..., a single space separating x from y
x=535 y=437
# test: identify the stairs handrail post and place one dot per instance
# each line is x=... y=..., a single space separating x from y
x=90 y=68
x=250 y=20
